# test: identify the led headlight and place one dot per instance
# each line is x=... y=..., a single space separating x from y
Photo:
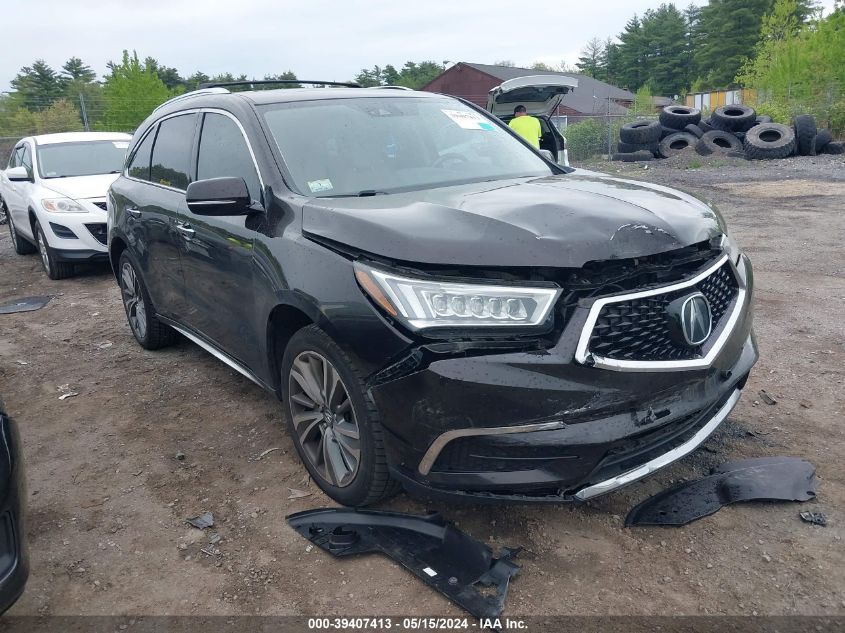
x=62 y=205
x=731 y=248
x=423 y=303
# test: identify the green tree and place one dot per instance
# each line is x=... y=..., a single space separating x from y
x=62 y=116
x=38 y=85
x=729 y=32
x=75 y=69
x=664 y=32
x=131 y=92
x=593 y=59
x=288 y=75
x=632 y=53
x=504 y=62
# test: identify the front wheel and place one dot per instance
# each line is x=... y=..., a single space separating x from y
x=21 y=246
x=52 y=266
x=334 y=425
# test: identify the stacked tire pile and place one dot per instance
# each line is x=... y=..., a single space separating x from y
x=733 y=130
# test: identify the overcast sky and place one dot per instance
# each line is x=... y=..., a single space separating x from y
x=317 y=39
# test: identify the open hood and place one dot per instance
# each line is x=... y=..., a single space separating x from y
x=540 y=94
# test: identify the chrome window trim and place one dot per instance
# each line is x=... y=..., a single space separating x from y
x=181 y=113
x=441 y=441
x=584 y=357
x=666 y=458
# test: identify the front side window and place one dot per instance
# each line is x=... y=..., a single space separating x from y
x=172 y=152
x=26 y=160
x=139 y=166
x=14 y=159
x=84 y=158
x=345 y=147
x=223 y=152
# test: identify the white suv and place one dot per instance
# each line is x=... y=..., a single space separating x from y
x=54 y=195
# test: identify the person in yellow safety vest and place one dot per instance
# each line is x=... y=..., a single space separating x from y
x=527 y=126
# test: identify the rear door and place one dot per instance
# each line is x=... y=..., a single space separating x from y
x=149 y=200
x=217 y=251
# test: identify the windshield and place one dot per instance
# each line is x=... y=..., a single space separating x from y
x=86 y=158
x=372 y=145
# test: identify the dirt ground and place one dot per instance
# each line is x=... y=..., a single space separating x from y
x=108 y=497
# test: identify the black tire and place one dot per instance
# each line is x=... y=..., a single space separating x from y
x=769 y=141
x=677 y=143
x=21 y=245
x=628 y=148
x=823 y=138
x=678 y=117
x=719 y=142
x=805 y=134
x=696 y=131
x=666 y=131
x=641 y=132
x=763 y=118
x=741 y=135
x=734 y=118
x=634 y=157
x=370 y=482
x=834 y=148
x=140 y=314
x=706 y=125
x=52 y=266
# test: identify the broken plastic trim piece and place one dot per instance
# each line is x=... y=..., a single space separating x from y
x=436 y=552
x=762 y=479
x=25 y=304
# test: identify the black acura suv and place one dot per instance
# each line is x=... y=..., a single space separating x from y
x=437 y=305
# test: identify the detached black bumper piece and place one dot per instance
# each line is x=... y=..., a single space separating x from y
x=763 y=479
x=14 y=563
x=436 y=552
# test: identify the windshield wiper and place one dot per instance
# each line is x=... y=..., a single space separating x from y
x=366 y=193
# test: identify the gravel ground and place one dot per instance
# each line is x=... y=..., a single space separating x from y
x=108 y=495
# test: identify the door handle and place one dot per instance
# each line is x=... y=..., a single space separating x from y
x=185 y=230
x=135 y=213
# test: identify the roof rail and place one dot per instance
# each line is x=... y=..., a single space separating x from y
x=392 y=88
x=194 y=93
x=288 y=82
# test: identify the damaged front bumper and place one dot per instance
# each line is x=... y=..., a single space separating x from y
x=539 y=426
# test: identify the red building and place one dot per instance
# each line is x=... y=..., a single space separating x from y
x=473 y=81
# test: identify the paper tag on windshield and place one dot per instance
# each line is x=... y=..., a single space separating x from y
x=468 y=120
x=121 y=144
x=316 y=186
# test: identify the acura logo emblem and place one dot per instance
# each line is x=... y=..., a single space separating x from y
x=690 y=319
x=696 y=321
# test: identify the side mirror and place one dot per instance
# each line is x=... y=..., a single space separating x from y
x=219 y=196
x=18 y=174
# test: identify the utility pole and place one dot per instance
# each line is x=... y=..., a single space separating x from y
x=84 y=112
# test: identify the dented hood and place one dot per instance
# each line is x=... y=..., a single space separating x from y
x=557 y=221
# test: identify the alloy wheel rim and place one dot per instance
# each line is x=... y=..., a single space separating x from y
x=324 y=419
x=42 y=248
x=133 y=300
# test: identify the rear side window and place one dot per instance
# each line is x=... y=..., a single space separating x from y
x=139 y=166
x=223 y=152
x=172 y=152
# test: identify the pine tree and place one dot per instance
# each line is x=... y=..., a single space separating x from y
x=592 y=59
x=75 y=69
x=39 y=86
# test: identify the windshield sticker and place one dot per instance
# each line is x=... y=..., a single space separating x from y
x=121 y=144
x=468 y=120
x=316 y=186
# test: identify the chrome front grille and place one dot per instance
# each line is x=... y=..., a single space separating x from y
x=633 y=330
